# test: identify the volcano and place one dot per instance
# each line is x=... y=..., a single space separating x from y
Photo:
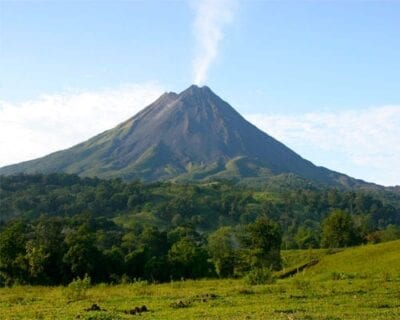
x=193 y=135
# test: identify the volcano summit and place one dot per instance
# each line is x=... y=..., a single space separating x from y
x=193 y=135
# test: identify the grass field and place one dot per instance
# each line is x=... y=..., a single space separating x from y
x=356 y=283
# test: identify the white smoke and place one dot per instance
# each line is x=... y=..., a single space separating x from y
x=211 y=18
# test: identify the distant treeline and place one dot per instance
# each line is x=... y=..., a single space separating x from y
x=57 y=227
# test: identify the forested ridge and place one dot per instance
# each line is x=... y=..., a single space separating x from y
x=57 y=227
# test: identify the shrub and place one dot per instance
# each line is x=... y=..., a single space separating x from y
x=77 y=289
x=259 y=276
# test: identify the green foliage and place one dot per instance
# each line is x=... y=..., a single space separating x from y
x=77 y=289
x=188 y=260
x=222 y=246
x=82 y=256
x=110 y=230
x=253 y=246
x=390 y=233
x=260 y=245
x=338 y=230
x=367 y=291
x=36 y=258
x=356 y=263
x=308 y=235
x=259 y=276
x=13 y=263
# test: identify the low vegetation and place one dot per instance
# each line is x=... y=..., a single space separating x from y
x=343 y=285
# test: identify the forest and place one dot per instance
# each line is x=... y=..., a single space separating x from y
x=59 y=227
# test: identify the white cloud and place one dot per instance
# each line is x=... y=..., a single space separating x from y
x=211 y=16
x=362 y=143
x=52 y=122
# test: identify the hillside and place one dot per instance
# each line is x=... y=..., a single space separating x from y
x=371 y=297
x=205 y=206
x=345 y=263
x=194 y=135
x=367 y=261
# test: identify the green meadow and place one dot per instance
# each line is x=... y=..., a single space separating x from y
x=355 y=283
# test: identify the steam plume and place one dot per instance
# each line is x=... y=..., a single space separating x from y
x=211 y=16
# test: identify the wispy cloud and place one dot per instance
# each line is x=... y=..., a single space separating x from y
x=211 y=16
x=362 y=143
x=52 y=122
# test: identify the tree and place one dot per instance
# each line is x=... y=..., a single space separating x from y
x=45 y=251
x=13 y=264
x=306 y=238
x=338 y=230
x=114 y=263
x=182 y=232
x=157 y=269
x=261 y=243
x=36 y=257
x=392 y=232
x=82 y=257
x=154 y=245
x=153 y=242
x=308 y=235
x=188 y=260
x=134 y=264
x=222 y=246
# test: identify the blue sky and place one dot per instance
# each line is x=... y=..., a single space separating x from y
x=287 y=66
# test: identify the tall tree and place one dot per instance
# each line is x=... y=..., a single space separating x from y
x=13 y=263
x=261 y=242
x=222 y=245
x=338 y=230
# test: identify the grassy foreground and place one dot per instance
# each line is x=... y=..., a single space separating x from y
x=356 y=283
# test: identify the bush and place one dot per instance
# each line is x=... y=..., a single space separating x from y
x=259 y=276
x=77 y=289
